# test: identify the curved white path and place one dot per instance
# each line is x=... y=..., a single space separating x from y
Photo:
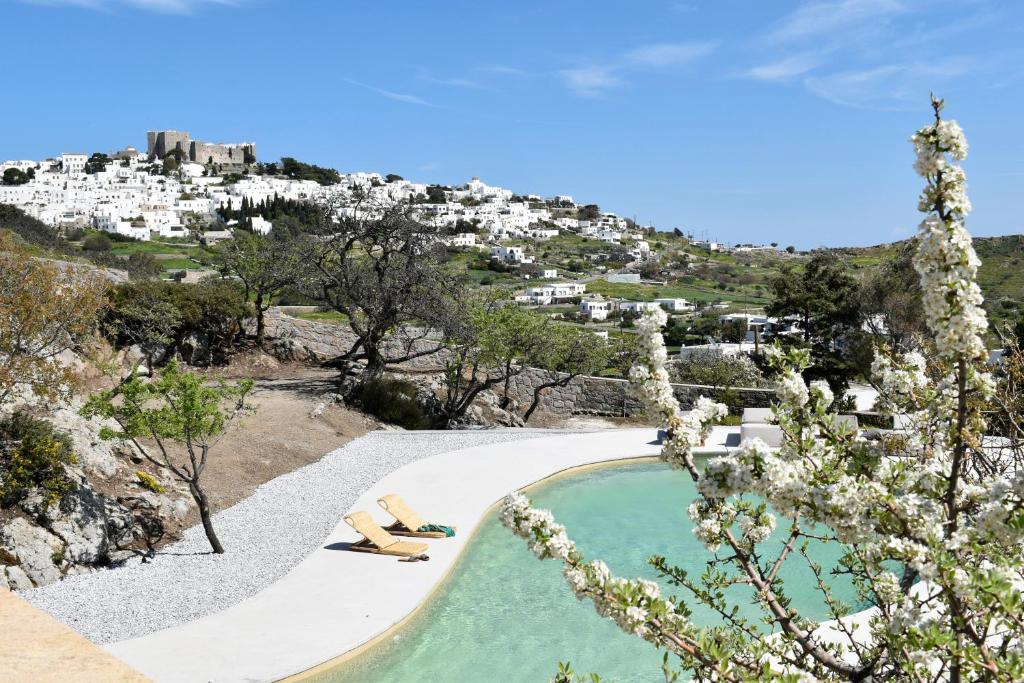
x=336 y=600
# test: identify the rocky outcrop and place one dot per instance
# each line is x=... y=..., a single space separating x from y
x=105 y=519
x=37 y=552
x=296 y=339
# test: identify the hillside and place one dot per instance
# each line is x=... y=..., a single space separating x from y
x=1001 y=275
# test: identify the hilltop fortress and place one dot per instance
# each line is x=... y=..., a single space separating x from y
x=162 y=142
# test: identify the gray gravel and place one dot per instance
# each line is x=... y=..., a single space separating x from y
x=265 y=535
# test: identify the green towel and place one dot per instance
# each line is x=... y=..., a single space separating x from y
x=447 y=530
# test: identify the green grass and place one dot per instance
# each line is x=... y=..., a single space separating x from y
x=179 y=264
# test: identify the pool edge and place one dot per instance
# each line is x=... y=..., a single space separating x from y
x=404 y=621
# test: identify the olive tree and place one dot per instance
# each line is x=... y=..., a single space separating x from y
x=265 y=264
x=564 y=354
x=492 y=342
x=933 y=545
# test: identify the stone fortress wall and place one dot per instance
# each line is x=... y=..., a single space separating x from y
x=160 y=142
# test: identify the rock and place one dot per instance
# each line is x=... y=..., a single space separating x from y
x=94 y=454
x=81 y=520
x=119 y=557
x=195 y=350
x=4 y=584
x=17 y=579
x=38 y=551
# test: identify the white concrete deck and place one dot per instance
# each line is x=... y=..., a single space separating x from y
x=336 y=600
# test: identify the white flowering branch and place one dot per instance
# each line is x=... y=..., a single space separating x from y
x=938 y=553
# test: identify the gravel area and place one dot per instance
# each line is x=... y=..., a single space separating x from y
x=264 y=535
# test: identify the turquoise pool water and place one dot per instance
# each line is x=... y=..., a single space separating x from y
x=503 y=615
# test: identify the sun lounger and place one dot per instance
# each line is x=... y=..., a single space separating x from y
x=770 y=434
x=756 y=415
x=408 y=522
x=377 y=540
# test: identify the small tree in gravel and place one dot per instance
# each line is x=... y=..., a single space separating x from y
x=175 y=407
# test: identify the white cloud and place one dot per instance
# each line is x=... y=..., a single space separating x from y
x=817 y=19
x=392 y=95
x=889 y=86
x=795 y=65
x=669 y=54
x=452 y=82
x=590 y=81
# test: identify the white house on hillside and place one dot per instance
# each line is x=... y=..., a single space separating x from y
x=595 y=309
x=544 y=295
x=675 y=305
x=639 y=307
x=510 y=255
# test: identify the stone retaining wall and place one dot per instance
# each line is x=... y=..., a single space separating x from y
x=608 y=396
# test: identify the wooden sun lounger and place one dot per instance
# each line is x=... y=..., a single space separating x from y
x=377 y=540
x=407 y=520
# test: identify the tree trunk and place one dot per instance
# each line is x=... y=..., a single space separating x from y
x=537 y=395
x=206 y=517
x=375 y=361
x=260 y=325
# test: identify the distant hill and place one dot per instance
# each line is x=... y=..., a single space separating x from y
x=1001 y=275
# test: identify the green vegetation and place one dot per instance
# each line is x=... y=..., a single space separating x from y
x=825 y=298
x=162 y=317
x=332 y=317
x=298 y=170
x=33 y=457
x=392 y=401
x=266 y=265
x=149 y=482
x=14 y=176
x=44 y=310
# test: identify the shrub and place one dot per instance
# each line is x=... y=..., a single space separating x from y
x=154 y=313
x=711 y=368
x=149 y=482
x=33 y=456
x=392 y=400
x=97 y=243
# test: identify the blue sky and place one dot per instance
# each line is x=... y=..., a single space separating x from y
x=752 y=120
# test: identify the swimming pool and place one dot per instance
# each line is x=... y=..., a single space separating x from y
x=503 y=615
